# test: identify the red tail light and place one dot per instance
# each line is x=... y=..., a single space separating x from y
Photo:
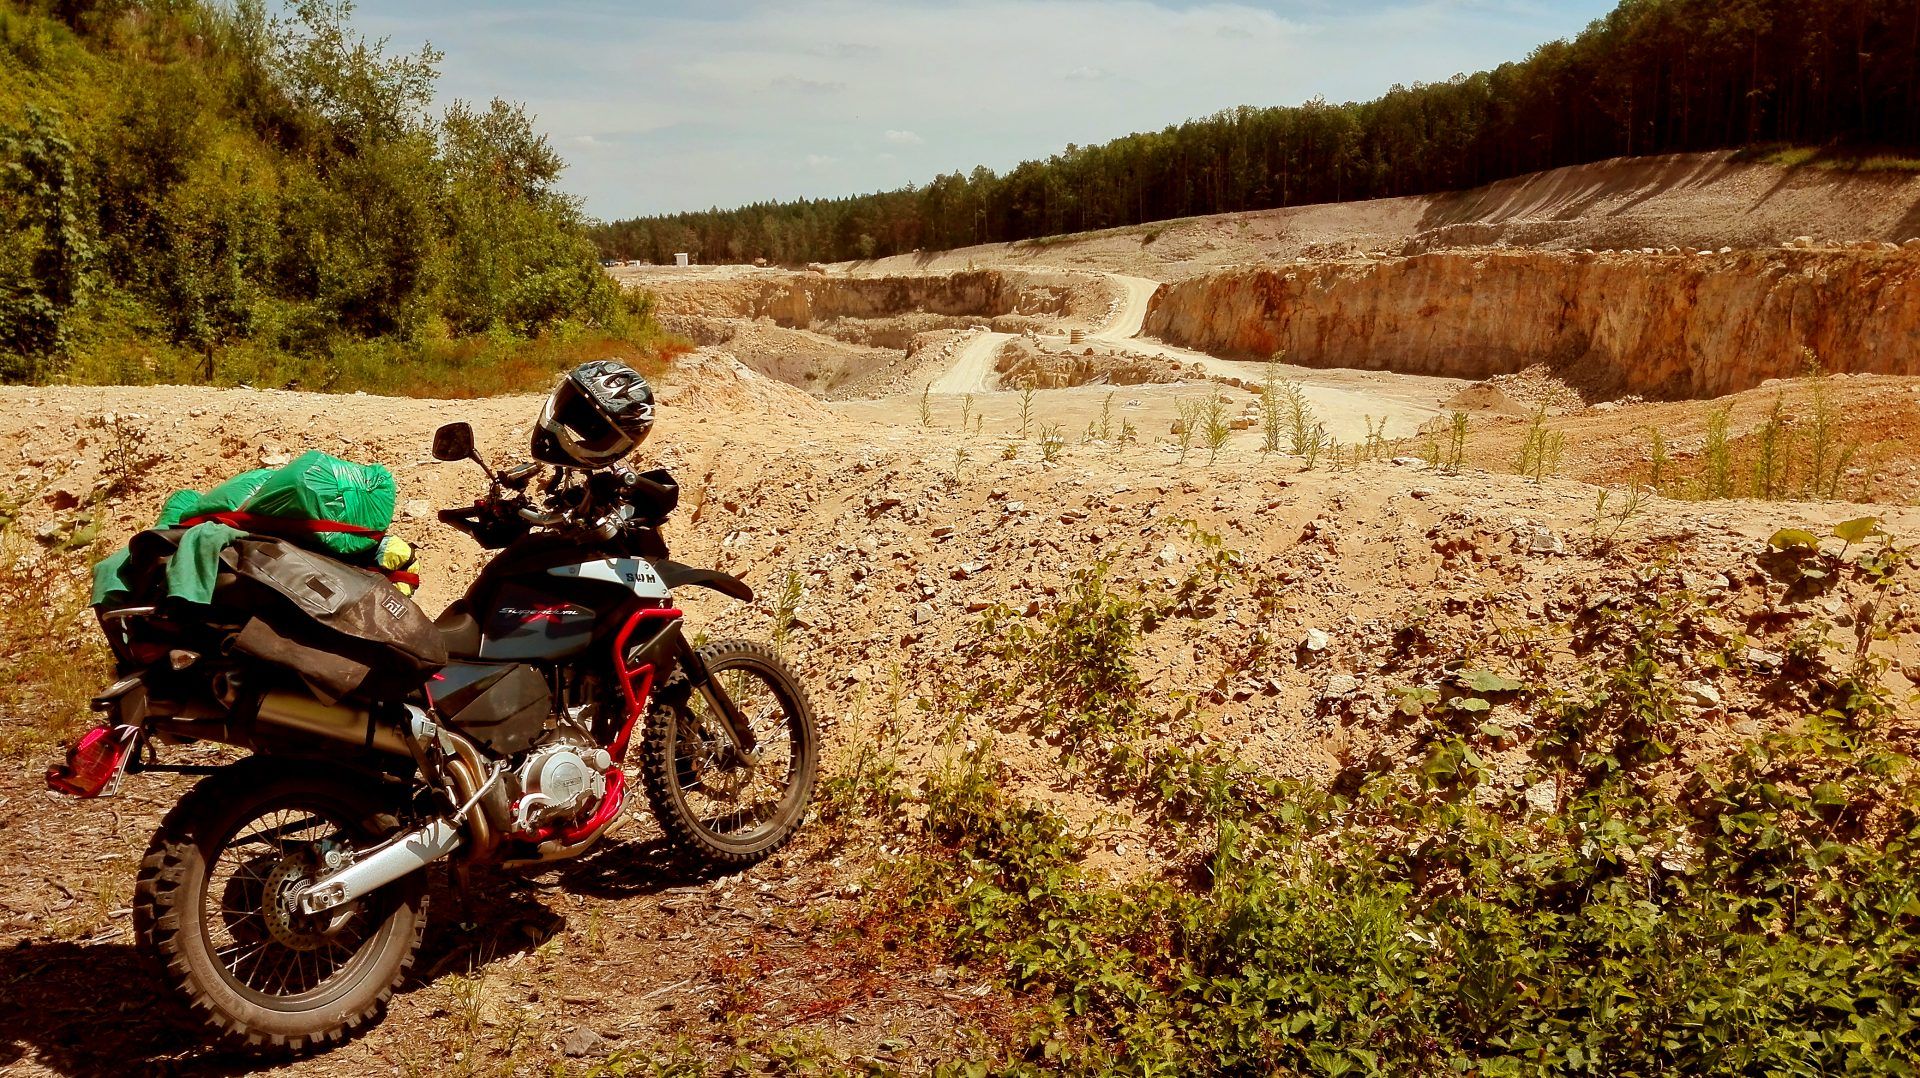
x=94 y=763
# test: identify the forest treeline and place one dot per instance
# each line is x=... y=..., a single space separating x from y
x=1653 y=76
x=191 y=190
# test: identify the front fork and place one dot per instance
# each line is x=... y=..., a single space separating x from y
x=733 y=721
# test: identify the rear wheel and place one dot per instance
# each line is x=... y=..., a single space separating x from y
x=710 y=803
x=214 y=902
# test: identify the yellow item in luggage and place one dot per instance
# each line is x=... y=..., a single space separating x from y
x=396 y=558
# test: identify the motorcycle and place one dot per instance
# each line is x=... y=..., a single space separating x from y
x=284 y=896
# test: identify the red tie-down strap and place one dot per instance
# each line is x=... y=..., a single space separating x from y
x=254 y=522
x=291 y=527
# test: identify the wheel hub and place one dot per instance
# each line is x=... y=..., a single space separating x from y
x=713 y=766
x=280 y=907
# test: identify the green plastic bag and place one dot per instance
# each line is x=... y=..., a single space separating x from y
x=321 y=487
x=179 y=506
x=228 y=496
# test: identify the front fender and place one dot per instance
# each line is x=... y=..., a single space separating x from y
x=675 y=575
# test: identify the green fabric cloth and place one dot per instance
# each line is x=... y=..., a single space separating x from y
x=109 y=577
x=190 y=572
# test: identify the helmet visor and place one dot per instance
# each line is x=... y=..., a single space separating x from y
x=583 y=424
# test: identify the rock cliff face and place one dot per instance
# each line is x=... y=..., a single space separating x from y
x=800 y=300
x=1023 y=363
x=1662 y=325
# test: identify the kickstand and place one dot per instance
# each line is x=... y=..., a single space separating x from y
x=461 y=881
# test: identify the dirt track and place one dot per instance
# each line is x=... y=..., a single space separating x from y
x=878 y=522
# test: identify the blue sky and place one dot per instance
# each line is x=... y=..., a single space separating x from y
x=661 y=107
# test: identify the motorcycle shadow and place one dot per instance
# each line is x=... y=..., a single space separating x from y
x=98 y=1009
x=634 y=868
x=502 y=913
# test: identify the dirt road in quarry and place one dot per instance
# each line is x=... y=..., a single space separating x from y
x=1346 y=402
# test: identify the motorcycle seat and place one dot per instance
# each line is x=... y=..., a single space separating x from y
x=459 y=631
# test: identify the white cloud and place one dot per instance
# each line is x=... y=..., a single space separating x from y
x=808 y=85
x=715 y=107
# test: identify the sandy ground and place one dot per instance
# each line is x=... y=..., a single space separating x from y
x=898 y=535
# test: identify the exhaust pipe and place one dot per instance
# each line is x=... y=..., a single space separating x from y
x=406 y=854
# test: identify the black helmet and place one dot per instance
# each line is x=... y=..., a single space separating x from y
x=594 y=417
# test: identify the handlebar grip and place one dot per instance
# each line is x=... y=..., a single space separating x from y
x=649 y=487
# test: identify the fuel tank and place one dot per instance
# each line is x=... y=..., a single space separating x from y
x=548 y=602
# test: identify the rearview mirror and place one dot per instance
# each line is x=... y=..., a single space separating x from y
x=454 y=442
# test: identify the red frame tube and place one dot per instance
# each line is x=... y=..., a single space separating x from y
x=643 y=676
x=636 y=684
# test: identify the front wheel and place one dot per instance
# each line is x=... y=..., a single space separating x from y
x=710 y=803
x=214 y=902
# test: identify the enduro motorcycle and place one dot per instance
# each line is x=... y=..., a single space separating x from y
x=284 y=894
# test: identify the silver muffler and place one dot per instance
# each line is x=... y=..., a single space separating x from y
x=334 y=722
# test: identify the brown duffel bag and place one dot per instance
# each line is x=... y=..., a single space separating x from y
x=344 y=630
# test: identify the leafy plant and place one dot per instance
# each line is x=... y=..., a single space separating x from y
x=1773 y=455
x=1375 y=447
x=1659 y=462
x=786 y=605
x=1185 y=429
x=1304 y=432
x=1273 y=407
x=1715 y=480
x=1540 y=450
x=125 y=457
x=1456 y=454
x=1052 y=444
x=1627 y=510
x=1216 y=426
